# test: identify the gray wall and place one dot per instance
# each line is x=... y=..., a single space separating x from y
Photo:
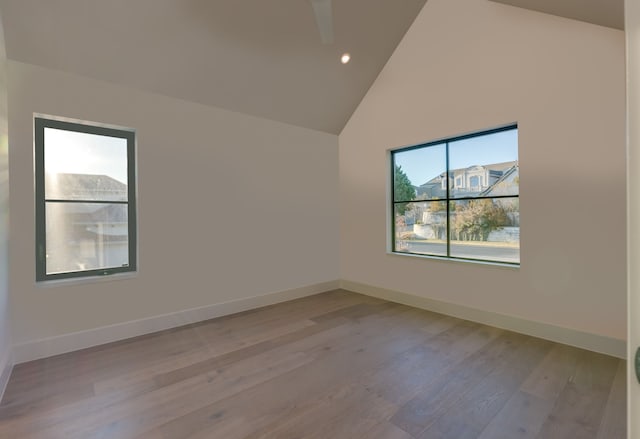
x=230 y=206
x=632 y=26
x=468 y=65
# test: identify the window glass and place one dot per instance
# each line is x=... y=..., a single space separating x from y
x=83 y=166
x=419 y=174
x=85 y=236
x=421 y=228
x=488 y=162
x=487 y=229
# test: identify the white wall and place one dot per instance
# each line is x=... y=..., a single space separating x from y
x=5 y=337
x=230 y=206
x=632 y=30
x=468 y=65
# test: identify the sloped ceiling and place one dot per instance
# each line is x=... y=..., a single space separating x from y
x=258 y=57
x=609 y=13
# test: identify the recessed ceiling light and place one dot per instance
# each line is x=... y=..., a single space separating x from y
x=345 y=58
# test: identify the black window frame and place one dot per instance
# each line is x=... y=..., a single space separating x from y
x=448 y=199
x=42 y=122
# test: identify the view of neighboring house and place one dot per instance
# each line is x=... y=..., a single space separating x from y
x=476 y=217
x=479 y=180
x=88 y=235
x=84 y=187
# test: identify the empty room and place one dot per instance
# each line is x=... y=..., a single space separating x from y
x=302 y=219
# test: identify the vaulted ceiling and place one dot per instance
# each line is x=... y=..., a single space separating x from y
x=259 y=57
x=609 y=13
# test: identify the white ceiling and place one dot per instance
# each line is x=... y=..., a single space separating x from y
x=258 y=57
x=608 y=13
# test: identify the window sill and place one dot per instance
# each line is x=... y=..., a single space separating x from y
x=468 y=261
x=52 y=283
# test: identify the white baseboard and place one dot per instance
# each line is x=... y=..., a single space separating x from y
x=93 y=337
x=6 y=366
x=572 y=337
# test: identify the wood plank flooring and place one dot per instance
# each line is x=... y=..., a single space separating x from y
x=334 y=365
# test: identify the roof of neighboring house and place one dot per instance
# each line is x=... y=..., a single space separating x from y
x=84 y=187
x=503 y=166
x=505 y=177
x=504 y=171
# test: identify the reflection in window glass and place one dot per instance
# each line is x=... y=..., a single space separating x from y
x=479 y=173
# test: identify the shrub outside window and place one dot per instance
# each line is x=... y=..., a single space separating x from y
x=458 y=198
x=85 y=199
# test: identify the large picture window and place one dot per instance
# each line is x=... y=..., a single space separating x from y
x=85 y=200
x=458 y=198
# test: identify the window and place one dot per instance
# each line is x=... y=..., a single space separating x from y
x=432 y=216
x=85 y=200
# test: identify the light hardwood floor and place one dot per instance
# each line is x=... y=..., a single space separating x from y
x=334 y=365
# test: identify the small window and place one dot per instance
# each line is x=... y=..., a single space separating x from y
x=453 y=221
x=85 y=200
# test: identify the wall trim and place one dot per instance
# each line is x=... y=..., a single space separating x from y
x=6 y=367
x=74 y=341
x=572 y=337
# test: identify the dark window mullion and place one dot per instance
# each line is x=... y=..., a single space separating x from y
x=495 y=197
x=448 y=202
x=458 y=138
x=426 y=200
x=41 y=251
x=58 y=200
x=132 y=202
x=393 y=201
